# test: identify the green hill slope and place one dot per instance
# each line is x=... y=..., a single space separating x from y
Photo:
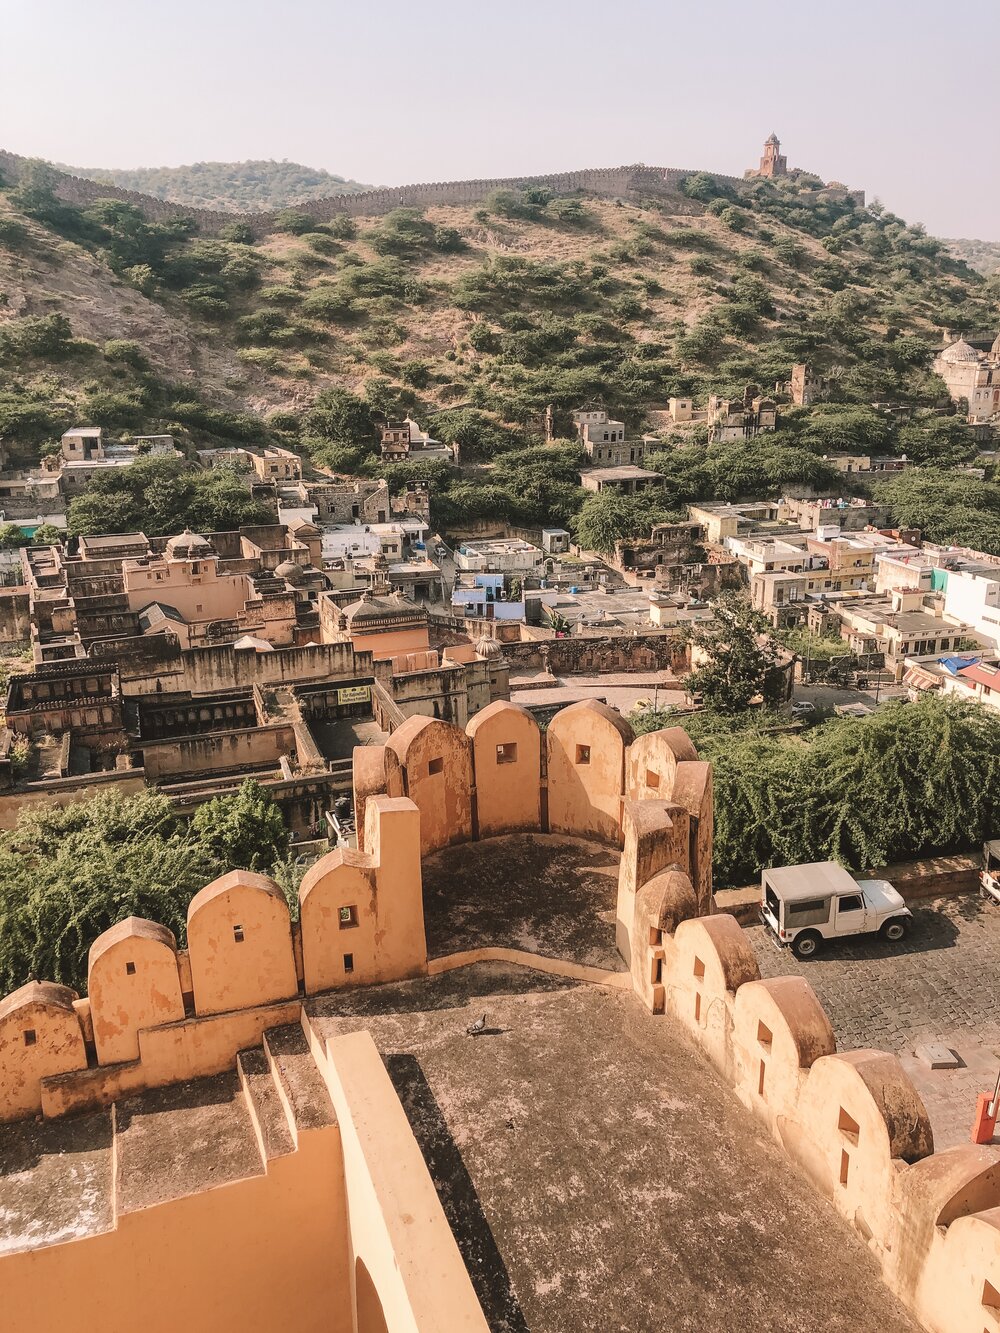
x=983 y=256
x=475 y=319
x=238 y=187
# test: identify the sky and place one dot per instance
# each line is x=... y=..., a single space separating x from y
x=881 y=95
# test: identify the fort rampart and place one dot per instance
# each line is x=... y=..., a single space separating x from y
x=851 y=1122
x=608 y=182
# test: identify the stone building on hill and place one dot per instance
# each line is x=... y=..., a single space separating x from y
x=971 y=370
x=773 y=162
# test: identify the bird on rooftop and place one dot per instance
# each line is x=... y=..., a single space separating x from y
x=474 y=1029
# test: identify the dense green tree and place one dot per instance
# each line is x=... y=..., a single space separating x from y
x=738 y=654
x=608 y=517
x=67 y=874
x=245 y=830
x=909 y=780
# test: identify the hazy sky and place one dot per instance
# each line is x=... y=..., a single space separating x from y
x=886 y=95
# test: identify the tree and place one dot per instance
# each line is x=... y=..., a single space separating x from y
x=737 y=653
x=342 y=417
x=12 y=536
x=68 y=873
x=608 y=517
x=47 y=534
x=245 y=831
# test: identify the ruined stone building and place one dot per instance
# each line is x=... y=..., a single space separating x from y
x=741 y=418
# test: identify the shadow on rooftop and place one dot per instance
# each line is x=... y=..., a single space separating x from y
x=458 y=1197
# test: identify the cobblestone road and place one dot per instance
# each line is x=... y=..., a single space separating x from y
x=942 y=984
x=942 y=978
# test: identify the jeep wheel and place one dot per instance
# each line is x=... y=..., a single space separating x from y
x=895 y=930
x=806 y=944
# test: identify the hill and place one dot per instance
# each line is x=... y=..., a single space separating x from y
x=237 y=187
x=983 y=256
x=477 y=317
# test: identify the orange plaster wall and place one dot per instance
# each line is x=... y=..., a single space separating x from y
x=382 y=888
x=508 y=793
x=259 y=1255
x=121 y=1004
x=398 y=1230
x=585 y=798
x=436 y=763
x=393 y=643
x=232 y=974
x=57 y=1048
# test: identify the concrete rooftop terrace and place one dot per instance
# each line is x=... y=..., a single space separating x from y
x=596 y=1171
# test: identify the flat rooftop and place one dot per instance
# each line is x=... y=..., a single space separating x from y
x=596 y=1171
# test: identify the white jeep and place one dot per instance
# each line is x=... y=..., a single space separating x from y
x=804 y=905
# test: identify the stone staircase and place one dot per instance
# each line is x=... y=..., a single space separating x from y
x=161 y=1145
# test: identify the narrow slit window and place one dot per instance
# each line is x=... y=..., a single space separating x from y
x=583 y=754
x=348 y=962
x=845 y=1166
x=760 y=1079
x=697 y=1006
x=435 y=766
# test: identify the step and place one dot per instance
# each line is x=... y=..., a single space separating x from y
x=267 y=1110
x=300 y=1082
x=176 y=1141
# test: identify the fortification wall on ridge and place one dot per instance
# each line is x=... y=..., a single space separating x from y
x=608 y=182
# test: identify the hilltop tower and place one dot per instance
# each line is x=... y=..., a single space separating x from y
x=773 y=163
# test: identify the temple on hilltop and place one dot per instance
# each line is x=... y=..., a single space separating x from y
x=774 y=162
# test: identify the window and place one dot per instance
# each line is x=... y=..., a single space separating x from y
x=760 y=1080
x=348 y=962
x=30 y=1036
x=435 y=766
x=991 y=1298
x=507 y=753
x=848 y=1126
x=808 y=912
x=583 y=754
x=348 y=917
x=699 y=970
x=652 y=779
x=764 y=1036
x=238 y=935
x=130 y=969
x=845 y=1166
x=851 y=902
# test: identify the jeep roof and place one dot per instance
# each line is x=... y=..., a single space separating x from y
x=818 y=879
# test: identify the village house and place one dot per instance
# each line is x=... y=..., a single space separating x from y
x=604 y=440
x=741 y=419
x=399 y=440
x=627 y=479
